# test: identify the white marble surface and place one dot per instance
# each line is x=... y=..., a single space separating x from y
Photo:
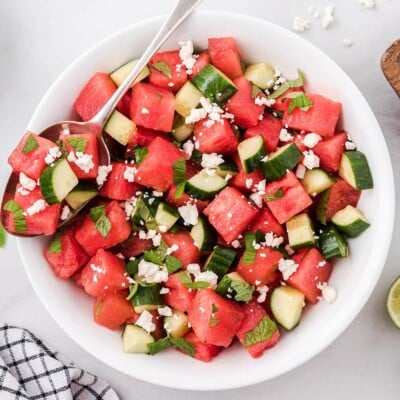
x=38 y=39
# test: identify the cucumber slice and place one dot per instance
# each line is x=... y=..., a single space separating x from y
x=187 y=98
x=251 y=151
x=320 y=210
x=204 y=235
x=203 y=186
x=261 y=75
x=166 y=216
x=316 y=181
x=135 y=339
x=81 y=194
x=120 y=127
x=120 y=74
x=181 y=131
x=177 y=324
x=233 y=286
x=227 y=168
x=214 y=84
x=332 y=243
x=220 y=260
x=287 y=306
x=56 y=181
x=300 y=231
x=355 y=170
x=350 y=221
x=147 y=298
x=281 y=161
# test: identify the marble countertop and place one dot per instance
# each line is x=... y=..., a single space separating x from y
x=38 y=40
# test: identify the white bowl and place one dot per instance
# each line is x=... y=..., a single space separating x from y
x=354 y=277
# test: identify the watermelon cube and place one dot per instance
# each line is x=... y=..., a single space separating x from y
x=224 y=55
x=94 y=95
x=245 y=182
x=69 y=258
x=134 y=246
x=203 y=351
x=187 y=252
x=201 y=62
x=213 y=318
x=29 y=155
x=266 y=222
x=288 y=197
x=152 y=107
x=282 y=102
x=179 y=296
x=184 y=199
x=330 y=151
x=321 y=118
x=92 y=240
x=312 y=271
x=124 y=105
x=230 y=213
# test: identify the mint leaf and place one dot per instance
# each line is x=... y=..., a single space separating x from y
x=30 y=144
x=173 y=264
x=250 y=253
x=159 y=345
x=18 y=214
x=298 y=82
x=263 y=331
x=184 y=345
x=132 y=291
x=163 y=67
x=100 y=219
x=97 y=212
x=2 y=236
x=301 y=101
x=153 y=257
x=185 y=278
x=277 y=195
x=132 y=267
x=179 y=168
x=79 y=144
x=180 y=188
x=243 y=291
x=55 y=245
x=213 y=319
x=140 y=154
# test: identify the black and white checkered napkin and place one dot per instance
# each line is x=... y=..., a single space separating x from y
x=29 y=369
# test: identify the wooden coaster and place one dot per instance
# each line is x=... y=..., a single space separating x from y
x=390 y=64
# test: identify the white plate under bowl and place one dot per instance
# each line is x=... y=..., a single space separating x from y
x=354 y=277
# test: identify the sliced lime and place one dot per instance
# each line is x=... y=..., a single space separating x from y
x=393 y=302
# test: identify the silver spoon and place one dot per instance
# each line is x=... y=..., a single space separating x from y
x=181 y=11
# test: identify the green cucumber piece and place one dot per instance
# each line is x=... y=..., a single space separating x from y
x=147 y=297
x=320 y=210
x=316 y=181
x=350 y=221
x=354 y=169
x=220 y=260
x=143 y=213
x=261 y=74
x=120 y=127
x=281 y=161
x=121 y=73
x=177 y=324
x=204 y=235
x=251 y=152
x=227 y=168
x=81 y=194
x=233 y=286
x=181 y=131
x=287 y=306
x=56 y=181
x=300 y=231
x=187 y=98
x=332 y=243
x=166 y=216
x=203 y=186
x=214 y=84
x=135 y=339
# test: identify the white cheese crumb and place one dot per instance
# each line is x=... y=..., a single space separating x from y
x=102 y=174
x=164 y=290
x=26 y=182
x=207 y=276
x=301 y=171
x=189 y=214
x=287 y=267
x=83 y=160
x=145 y=321
x=350 y=145
x=188 y=148
x=145 y=111
x=155 y=193
x=66 y=212
x=311 y=160
x=129 y=173
x=263 y=290
x=164 y=311
x=321 y=264
x=249 y=183
x=152 y=273
x=186 y=55
x=193 y=269
x=53 y=154
x=36 y=207
x=98 y=269
x=196 y=114
x=264 y=101
x=129 y=206
x=300 y=24
x=235 y=244
x=328 y=18
x=311 y=140
x=285 y=136
x=162 y=228
x=346 y=42
x=367 y=3
x=271 y=240
x=328 y=292
x=211 y=160
x=172 y=249
x=171 y=84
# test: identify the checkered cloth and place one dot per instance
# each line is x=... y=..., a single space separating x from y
x=30 y=370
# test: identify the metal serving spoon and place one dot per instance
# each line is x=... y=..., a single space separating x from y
x=182 y=10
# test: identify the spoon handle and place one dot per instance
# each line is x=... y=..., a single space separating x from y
x=182 y=10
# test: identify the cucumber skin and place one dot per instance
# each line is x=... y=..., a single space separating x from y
x=210 y=235
x=252 y=163
x=147 y=295
x=332 y=243
x=220 y=260
x=200 y=194
x=320 y=210
x=354 y=229
x=362 y=172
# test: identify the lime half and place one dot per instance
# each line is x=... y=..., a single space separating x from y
x=393 y=302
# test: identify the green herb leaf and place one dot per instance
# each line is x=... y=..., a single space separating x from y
x=180 y=188
x=255 y=91
x=298 y=82
x=185 y=278
x=18 y=214
x=30 y=144
x=263 y=331
x=100 y=219
x=159 y=345
x=140 y=154
x=163 y=67
x=179 y=168
x=79 y=144
x=153 y=257
x=250 y=253
x=173 y=264
x=132 y=267
x=55 y=245
x=184 y=345
x=243 y=291
x=2 y=236
x=132 y=291
x=213 y=319
x=277 y=195
x=301 y=101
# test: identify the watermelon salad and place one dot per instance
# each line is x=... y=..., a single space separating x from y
x=230 y=193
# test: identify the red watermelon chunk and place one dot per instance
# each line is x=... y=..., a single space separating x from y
x=104 y=273
x=282 y=102
x=242 y=105
x=179 y=296
x=168 y=61
x=245 y=182
x=134 y=246
x=321 y=118
x=69 y=258
x=269 y=128
x=215 y=138
x=92 y=240
x=294 y=198
x=188 y=252
x=94 y=95
x=124 y=105
x=201 y=62
x=230 y=213
x=266 y=222
x=253 y=314
x=152 y=107
x=224 y=55
x=156 y=169
x=213 y=318
x=330 y=151
x=265 y=263
x=203 y=351
x=31 y=162
x=310 y=273
x=184 y=199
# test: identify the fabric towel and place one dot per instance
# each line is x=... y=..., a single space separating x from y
x=31 y=370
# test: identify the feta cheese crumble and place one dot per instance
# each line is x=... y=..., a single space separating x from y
x=249 y=183
x=145 y=321
x=367 y=3
x=207 y=276
x=301 y=171
x=164 y=311
x=211 y=160
x=263 y=290
x=172 y=249
x=129 y=174
x=36 y=207
x=264 y=101
x=311 y=160
x=328 y=18
x=346 y=42
x=53 y=154
x=65 y=213
x=287 y=267
x=145 y=111
x=186 y=55
x=83 y=160
x=272 y=240
x=189 y=214
x=350 y=145
x=26 y=183
x=328 y=292
x=152 y=273
x=212 y=110
x=311 y=140
x=102 y=174
x=188 y=148
x=300 y=24
x=285 y=136
x=164 y=290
